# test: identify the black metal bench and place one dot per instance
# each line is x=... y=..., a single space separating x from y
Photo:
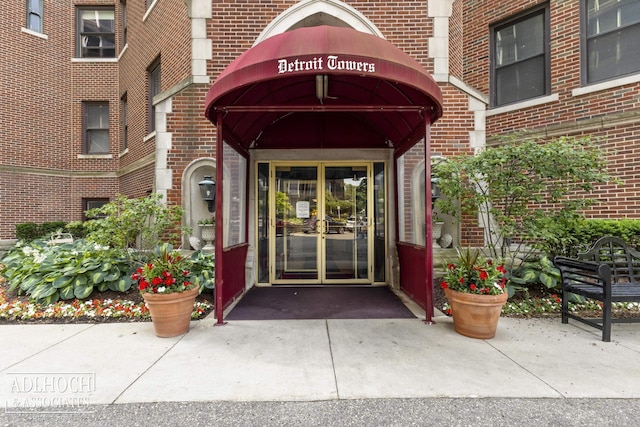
x=608 y=272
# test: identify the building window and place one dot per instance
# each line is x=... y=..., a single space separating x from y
x=154 y=89
x=88 y=204
x=96 y=33
x=610 y=39
x=96 y=127
x=124 y=117
x=123 y=21
x=34 y=15
x=520 y=58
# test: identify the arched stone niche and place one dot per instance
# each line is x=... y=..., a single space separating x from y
x=194 y=207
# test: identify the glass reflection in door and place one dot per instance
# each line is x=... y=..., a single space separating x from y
x=344 y=230
x=296 y=236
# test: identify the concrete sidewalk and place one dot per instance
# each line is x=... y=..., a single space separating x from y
x=312 y=360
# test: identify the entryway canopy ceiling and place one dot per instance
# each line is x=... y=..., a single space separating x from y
x=324 y=87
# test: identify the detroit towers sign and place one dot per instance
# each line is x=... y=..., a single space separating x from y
x=321 y=63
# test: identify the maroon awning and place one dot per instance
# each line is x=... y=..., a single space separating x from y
x=376 y=95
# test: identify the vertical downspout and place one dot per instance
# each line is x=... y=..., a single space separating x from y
x=428 y=225
x=219 y=222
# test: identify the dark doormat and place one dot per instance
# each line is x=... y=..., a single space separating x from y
x=334 y=302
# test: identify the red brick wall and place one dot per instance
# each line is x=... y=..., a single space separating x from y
x=596 y=114
x=43 y=91
x=193 y=136
x=41 y=120
x=478 y=15
x=166 y=33
x=236 y=25
x=137 y=183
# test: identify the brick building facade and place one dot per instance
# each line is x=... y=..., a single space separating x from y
x=138 y=72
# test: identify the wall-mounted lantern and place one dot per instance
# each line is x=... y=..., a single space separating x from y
x=208 y=192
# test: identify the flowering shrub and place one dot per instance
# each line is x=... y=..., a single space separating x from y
x=474 y=274
x=166 y=272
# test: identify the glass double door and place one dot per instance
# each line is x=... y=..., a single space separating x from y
x=321 y=231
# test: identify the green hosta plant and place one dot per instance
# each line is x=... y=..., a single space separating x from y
x=47 y=273
x=203 y=270
x=541 y=271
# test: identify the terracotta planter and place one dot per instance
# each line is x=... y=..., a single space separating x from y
x=171 y=313
x=476 y=316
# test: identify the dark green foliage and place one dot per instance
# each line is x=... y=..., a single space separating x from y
x=573 y=237
x=48 y=228
x=28 y=231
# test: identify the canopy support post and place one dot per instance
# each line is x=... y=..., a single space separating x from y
x=219 y=223
x=428 y=223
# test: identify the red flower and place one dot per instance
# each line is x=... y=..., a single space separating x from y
x=444 y=285
x=143 y=284
x=501 y=269
x=483 y=275
x=156 y=281
x=451 y=266
x=461 y=280
x=473 y=287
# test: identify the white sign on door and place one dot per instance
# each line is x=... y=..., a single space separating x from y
x=302 y=209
